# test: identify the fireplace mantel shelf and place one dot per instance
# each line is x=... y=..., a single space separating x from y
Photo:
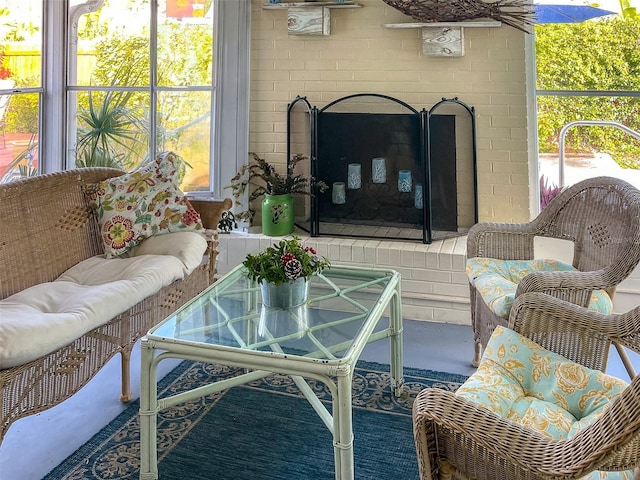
x=309 y=18
x=466 y=23
x=444 y=39
x=280 y=6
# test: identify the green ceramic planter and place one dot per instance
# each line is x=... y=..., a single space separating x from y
x=277 y=215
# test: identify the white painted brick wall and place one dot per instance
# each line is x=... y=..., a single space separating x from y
x=362 y=56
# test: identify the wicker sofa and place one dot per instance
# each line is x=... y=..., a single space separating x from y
x=47 y=229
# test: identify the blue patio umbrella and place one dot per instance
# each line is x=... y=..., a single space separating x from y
x=567 y=12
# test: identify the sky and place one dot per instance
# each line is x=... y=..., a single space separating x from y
x=613 y=5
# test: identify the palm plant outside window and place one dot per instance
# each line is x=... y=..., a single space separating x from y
x=141 y=81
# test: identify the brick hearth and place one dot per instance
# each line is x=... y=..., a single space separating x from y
x=434 y=284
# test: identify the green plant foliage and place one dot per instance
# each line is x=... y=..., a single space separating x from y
x=109 y=132
x=22 y=110
x=265 y=180
x=185 y=55
x=284 y=262
x=122 y=61
x=227 y=222
x=628 y=11
x=23 y=161
x=592 y=55
x=27 y=171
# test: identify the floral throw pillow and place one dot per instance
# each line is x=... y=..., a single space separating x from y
x=142 y=203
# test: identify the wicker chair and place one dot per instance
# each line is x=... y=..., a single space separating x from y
x=457 y=439
x=600 y=215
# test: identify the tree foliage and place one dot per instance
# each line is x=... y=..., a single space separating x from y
x=593 y=55
x=111 y=124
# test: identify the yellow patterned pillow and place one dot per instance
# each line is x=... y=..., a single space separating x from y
x=541 y=390
x=142 y=203
x=520 y=380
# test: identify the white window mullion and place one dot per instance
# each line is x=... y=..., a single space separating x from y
x=70 y=37
x=153 y=79
x=53 y=105
x=230 y=126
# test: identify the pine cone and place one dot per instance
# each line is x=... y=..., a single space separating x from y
x=293 y=269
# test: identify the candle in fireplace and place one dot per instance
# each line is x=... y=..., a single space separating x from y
x=417 y=199
x=404 y=181
x=378 y=170
x=338 y=194
x=354 y=176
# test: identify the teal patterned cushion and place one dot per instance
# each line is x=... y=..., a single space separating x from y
x=541 y=390
x=497 y=280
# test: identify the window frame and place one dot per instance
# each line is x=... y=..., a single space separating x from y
x=229 y=139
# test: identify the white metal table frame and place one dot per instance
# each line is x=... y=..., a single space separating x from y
x=336 y=373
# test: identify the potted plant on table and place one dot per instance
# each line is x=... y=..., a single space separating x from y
x=283 y=271
x=277 y=206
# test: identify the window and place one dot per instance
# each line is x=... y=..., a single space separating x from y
x=20 y=87
x=176 y=81
x=588 y=73
x=140 y=80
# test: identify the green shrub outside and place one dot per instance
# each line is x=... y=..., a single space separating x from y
x=593 y=55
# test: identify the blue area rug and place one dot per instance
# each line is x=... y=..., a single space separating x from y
x=263 y=430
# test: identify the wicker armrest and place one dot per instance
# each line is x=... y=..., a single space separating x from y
x=210 y=210
x=439 y=416
x=485 y=433
x=573 y=286
x=504 y=241
x=565 y=280
x=572 y=331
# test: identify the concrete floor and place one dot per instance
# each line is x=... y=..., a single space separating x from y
x=581 y=167
x=36 y=444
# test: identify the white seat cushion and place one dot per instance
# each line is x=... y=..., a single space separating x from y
x=48 y=316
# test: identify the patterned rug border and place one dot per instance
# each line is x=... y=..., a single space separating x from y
x=386 y=404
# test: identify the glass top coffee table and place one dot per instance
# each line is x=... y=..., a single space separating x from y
x=322 y=339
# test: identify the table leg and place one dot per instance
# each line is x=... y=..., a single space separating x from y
x=343 y=430
x=395 y=313
x=148 y=414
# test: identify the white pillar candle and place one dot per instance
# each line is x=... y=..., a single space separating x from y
x=404 y=181
x=378 y=170
x=354 y=176
x=417 y=200
x=338 y=194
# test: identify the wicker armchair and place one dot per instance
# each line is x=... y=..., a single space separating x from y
x=600 y=215
x=457 y=439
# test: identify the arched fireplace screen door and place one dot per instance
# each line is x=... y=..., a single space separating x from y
x=392 y=171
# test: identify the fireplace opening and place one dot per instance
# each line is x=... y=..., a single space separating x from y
x=392 y=171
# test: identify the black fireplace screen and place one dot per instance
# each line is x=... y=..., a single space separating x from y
x=391 y=171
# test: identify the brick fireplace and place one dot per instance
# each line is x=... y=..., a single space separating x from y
x=388 y=166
